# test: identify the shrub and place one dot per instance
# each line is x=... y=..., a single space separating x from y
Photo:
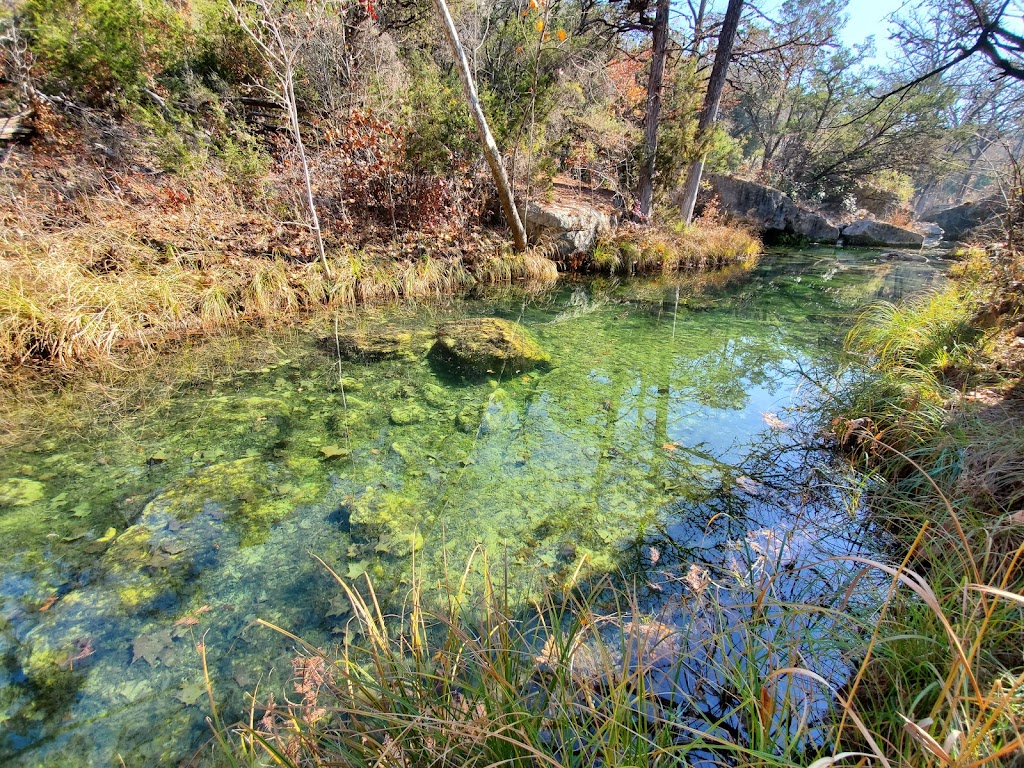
x=99 y=50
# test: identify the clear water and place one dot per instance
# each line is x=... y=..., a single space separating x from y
x=132 y=533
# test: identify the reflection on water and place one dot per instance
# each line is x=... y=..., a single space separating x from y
x=666 y=420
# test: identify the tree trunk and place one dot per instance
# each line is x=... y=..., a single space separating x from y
x=698 y=30
x=712 y=99
x=645 y=186
x=490 y=148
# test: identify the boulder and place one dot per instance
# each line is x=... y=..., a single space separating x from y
x=956 y=222
x=904 y=256
x=932 y=232
x=572 y=226
x=768 y=210
x=868 y=232
x=483 y=345
x=376 y=344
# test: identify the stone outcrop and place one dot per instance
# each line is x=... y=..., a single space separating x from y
x=867 y=232
x=572 y=226
x=958 y=221
x=484 y=345
x=768 y=210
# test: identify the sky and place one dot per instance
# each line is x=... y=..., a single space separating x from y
x=868 y=17
x=864 y=18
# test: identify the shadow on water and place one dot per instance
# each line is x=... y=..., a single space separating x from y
x=666 y=422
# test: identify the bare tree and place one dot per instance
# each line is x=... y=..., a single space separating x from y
x=713 y=97
x=280 y=34
x=939 y=35
x=490 y=148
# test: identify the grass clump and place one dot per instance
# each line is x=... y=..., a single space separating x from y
x=885 y=667
x=933 y=420
x=702 y=246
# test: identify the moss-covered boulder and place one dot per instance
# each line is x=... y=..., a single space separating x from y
x=407 y=414
x=486 y=345
x=386 y=343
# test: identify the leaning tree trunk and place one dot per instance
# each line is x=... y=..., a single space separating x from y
x=645 y=186
x=490 y=148
x=712 y=99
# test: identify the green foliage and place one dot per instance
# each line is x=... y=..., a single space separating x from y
x=99 y=50
x=440 y=128
x=932 y=334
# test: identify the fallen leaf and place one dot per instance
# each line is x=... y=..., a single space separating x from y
x=190 y=693
x=153 y=647
x=47 y=604
x=357 y=569
x=173 y=546
x=774 y=421
x=107 y=536
x=334 y=452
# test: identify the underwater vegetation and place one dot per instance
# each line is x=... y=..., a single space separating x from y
x=183 y=504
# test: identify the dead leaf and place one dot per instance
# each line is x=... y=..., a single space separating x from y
x=153 y=647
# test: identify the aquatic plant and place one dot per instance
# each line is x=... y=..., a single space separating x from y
x=589 y=677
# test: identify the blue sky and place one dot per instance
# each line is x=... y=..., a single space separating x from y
x=864 y=18
x=868 y=17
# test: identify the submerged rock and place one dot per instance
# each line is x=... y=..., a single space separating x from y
x=377 y=344
x=867 y=232
x=468 y=419
x=477 y=346
x=20 y=492
x=407 y=414
x=903 y=256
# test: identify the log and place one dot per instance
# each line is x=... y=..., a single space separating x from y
x=16 y=127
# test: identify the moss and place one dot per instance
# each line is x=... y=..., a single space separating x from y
x=483 y=345
x=385 y=343
x=20 y=492
x=406 y=415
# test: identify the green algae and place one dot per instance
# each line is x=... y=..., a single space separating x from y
x=405 y=415
x=20 y=492
x=268 y=457
x=485 y=345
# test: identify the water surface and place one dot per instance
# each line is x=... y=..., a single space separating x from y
x=668 y=416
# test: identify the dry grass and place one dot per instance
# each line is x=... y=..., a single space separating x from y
x=702 y=246
x=94 y=262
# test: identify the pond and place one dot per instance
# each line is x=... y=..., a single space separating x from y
x=187 y=500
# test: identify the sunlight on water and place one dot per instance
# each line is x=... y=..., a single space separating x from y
x=666 y=417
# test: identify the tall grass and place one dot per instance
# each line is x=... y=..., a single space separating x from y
x=705 y=245
x=920 y=674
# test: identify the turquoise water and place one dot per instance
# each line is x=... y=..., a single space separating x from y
x=183 y=504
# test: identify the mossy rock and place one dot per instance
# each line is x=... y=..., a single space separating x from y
x=247 y=490
x=407 y=414
x=377 y=344
x=479 y=346
x=468 y=419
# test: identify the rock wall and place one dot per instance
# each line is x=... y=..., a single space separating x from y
x=958 y=221
x=768 y=210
